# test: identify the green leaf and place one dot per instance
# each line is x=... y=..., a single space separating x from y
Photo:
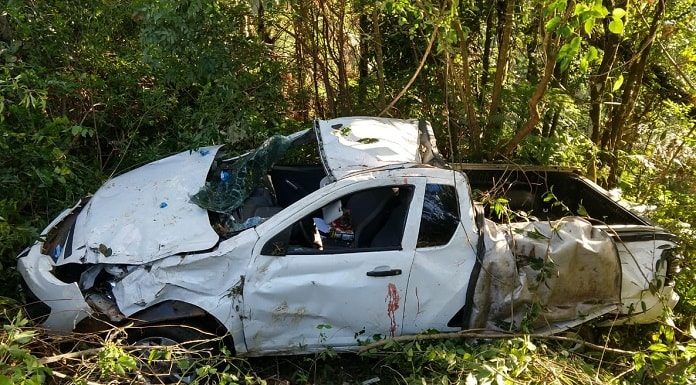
x=599 y=10
x=592 y=54
x=616 y=26
x=575 y=43
x=588 y=58
x=617 y=83
x=589 y=24
x=582 y=211
x=565 y=31
x=557 y=5
x=584 y=64
x=553 y=23
x=4 y=380
x=580 y=8
x=23 y=337
x=618 y=13
x=658 y=348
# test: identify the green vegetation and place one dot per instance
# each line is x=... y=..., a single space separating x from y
x=90 y=89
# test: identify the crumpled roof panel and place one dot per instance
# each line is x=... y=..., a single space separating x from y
x=352 y=144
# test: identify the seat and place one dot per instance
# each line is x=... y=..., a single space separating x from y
x=392 y=230
x=520 y=198
x=367 y=212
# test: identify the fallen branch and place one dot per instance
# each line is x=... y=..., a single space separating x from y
x=79 y=354
x=65 y=376
x=489 y=335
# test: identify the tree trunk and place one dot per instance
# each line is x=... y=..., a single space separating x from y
x=630 y=93
x=261 y=29
x=546 y=124
x=379 y=58
x=486 y=56
x=598 y=82
x=5 y=30
x=301 y=103
x=467 y=96
x=344 y=105
x=634 y=80
x=363 y=70
x=535 y=30
x=501 y=64
x=554 y=124
x=314 y=41
x=325 y=48
x=550 y=48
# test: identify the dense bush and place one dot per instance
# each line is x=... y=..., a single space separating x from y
x=90 y=89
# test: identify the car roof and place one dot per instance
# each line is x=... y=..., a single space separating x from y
x=358 y=144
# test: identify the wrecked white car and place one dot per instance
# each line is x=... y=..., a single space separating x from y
x=379 y=238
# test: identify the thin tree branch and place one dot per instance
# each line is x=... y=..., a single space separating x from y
x=478 y=333
x=415 y=75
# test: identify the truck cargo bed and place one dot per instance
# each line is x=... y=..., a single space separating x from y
x=525 y=188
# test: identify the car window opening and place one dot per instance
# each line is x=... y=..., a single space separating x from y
x=243 y=192
x=440 y=215
x=367 y=220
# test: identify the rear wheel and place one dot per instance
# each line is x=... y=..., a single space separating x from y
x=167 y=353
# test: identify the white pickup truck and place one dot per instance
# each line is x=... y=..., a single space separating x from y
x=379 y=237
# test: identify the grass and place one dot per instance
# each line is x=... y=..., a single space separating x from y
x=653 y=354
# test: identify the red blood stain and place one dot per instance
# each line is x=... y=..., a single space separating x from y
x=392 y=301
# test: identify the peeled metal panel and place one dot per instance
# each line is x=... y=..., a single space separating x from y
x=352 y=144
x=147 y=213
x=544 y=274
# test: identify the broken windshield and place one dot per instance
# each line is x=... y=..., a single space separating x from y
x=236 y=181
x=241 y=192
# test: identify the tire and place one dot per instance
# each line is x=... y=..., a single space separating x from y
x=176 y=345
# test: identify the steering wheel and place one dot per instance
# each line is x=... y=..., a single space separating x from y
x=306 y=227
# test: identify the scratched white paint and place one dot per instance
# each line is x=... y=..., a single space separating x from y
x=641 y=267
x=439 y=275
x=68 y=307
x=302 y=303
x=292 y=303
x=360 y=143
x=146 y=214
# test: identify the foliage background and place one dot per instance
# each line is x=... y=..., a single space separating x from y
x=93 y=88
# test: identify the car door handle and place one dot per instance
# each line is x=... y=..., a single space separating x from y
x=383 y=273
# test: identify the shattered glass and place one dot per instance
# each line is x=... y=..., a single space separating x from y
x=440 y=216
x=234 y=182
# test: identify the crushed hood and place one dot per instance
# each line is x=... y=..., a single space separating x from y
x=352 y=144
x=145 y=214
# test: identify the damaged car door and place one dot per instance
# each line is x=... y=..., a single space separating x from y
x=444 y=259
x=336 y=270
